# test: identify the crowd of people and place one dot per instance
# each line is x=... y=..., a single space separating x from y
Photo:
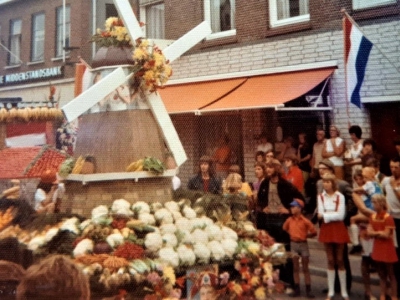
x=342 y=190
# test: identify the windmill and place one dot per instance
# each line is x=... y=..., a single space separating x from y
x=78 y=106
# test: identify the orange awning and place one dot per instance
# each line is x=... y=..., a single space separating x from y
x=190 y=97
x=270 y=90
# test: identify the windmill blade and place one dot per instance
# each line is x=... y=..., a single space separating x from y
x=164 y=122
x=94 y=94
x=131 y=23
x=187 y=41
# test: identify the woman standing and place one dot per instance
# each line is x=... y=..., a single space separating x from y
x=353 y=155
x=259 y=172
x=333 y=150
x=333 y=232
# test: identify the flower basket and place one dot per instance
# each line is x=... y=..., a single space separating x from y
x=113 y=56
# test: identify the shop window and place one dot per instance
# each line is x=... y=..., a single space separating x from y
x=60 y=29
x=152 y=14
x=37 y=53
x=360 y=4
x=15 y=42
x=287 y=12
x=221 y=16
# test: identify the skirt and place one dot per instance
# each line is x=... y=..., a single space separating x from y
x=333 y=232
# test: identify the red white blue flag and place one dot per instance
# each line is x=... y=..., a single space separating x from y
x=356 y=52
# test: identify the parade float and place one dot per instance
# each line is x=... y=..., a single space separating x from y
x=120 y=220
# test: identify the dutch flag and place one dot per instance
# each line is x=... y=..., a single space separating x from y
x=356 y=52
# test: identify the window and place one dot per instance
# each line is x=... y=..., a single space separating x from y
x=221 y=16
x=60 y=29
x=111 y=11
x=37 y=53
x=286 y=12
x=359 y=4
x=154 y=18
x=15 y=42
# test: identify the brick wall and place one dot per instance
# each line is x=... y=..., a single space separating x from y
x=80 y=32
x=381 y=75
x=3 y=135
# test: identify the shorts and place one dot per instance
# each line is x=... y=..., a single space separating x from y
x=299 y=248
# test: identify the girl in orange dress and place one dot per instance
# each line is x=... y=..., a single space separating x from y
x=381 y=226
x=333 y=232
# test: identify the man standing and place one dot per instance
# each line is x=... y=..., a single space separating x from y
x=310 y=185
x=326 y=167
x=273 y=208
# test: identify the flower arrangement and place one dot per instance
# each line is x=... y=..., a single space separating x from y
x=114 y=34
x=151 y=68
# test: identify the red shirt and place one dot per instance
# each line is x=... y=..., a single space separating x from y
x=298 y=228
x=295 y=176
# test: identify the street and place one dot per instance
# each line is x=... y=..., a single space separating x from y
x=318 y=276
x=318 y=283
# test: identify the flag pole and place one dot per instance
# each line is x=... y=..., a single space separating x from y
x=345 y=68
x=346 y=14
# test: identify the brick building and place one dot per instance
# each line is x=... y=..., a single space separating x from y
x=240 y=81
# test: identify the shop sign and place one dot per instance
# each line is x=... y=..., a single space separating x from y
x=22 y=77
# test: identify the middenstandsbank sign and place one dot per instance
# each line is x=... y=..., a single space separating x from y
x=33 y=75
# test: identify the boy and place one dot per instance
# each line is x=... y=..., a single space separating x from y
x=299 y=229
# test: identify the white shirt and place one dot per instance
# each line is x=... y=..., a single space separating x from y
x=327 y=207
x=40 y=196
x=355 y=149
x=264 y=147
x=391 y=198
x=336 y=160
x=369 y=189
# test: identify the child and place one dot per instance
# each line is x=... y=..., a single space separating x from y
x=368 y=187
x=299 y=229
x=381 y=226
x=333 y=232
x=367 y=263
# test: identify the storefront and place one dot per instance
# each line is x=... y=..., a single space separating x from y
x=243 y=105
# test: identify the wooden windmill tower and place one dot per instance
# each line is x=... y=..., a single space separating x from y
x=117 y=138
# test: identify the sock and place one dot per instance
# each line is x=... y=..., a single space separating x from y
x=354 y=233
x=342 y=279
x=331 y=282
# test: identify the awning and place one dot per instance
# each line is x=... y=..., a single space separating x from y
x=271 y=90
x=190 y=97
x=250 y=92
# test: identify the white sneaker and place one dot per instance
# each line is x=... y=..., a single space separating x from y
x=289 y=291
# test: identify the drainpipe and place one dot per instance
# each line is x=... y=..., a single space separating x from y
x=94 y=27
x=64 y=31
